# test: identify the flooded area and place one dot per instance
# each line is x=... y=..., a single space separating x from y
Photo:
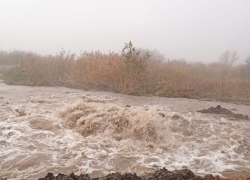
x=62 y=130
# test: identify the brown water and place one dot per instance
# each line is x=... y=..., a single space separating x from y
x=56 y=129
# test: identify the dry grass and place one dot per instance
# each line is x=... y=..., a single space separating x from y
x=130 y=73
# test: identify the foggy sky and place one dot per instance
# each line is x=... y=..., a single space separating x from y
x=195 y=30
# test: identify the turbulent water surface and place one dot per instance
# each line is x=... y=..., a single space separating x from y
x=56 y=129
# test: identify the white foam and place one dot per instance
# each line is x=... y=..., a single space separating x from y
x=86 y=133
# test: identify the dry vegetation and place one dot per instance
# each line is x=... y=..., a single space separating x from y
x=12 y=58
x=130 y=73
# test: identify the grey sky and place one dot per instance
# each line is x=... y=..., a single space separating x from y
x=196 y=30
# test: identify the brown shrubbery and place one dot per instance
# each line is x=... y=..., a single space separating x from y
x=130 y=73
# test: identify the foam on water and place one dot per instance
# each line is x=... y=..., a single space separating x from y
x=61 y=130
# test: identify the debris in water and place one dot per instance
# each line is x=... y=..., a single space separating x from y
x=176 y=116
x=20 y=112
x=161 y=114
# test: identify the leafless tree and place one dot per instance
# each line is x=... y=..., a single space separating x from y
x=248 y=60
x=154 y=54
x=229 y=57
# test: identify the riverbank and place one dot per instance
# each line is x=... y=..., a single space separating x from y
x=162 y=174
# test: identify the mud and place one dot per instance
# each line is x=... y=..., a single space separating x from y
x=219 y=110
x=162 y=174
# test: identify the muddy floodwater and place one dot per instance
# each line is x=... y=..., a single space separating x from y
x=62 y=130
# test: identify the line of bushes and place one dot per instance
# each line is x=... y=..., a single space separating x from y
x=131 y=73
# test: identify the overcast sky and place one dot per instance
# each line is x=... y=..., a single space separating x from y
x=195 y=30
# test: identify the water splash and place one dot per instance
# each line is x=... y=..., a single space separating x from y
x=63 y=130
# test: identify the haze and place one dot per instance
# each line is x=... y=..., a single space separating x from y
x=193 y=30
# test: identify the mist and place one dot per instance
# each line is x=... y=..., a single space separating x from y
x=191 y=30
x=115 y=89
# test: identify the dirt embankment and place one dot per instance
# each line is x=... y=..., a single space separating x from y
x=162 y=174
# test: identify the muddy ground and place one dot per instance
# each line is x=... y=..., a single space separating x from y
x=223 y=111
x=162 y=174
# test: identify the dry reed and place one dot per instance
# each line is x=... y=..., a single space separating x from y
x=128 y=72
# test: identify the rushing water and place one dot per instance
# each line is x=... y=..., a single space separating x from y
x=61 y=130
